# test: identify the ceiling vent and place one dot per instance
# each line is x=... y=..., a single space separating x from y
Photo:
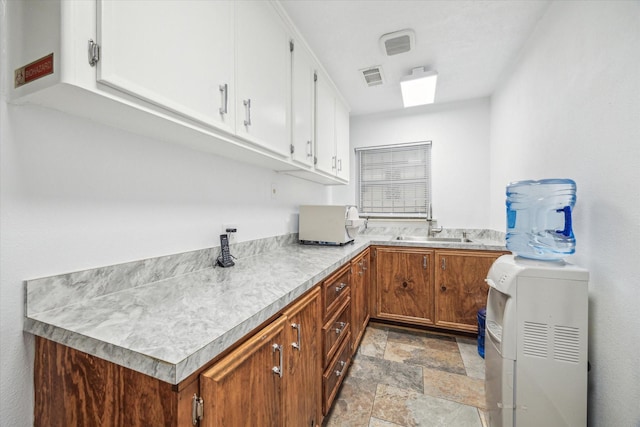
x=373 y=76
x=398 y=42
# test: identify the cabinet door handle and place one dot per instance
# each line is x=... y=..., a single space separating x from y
x=247 y=112
x=340 y=327
x=298 y=329
x=341 y=287
x=339 y=373
x=309 y=150
x=339 y=165
x=277 y=369
x=333 y=162
x=224 y=99
x=443 y=263
x=424 y=262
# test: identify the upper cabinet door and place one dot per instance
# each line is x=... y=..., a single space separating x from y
x=176 y=54
x=342 y=140
x=263 y=76
x=325 y=127
x=302 y=105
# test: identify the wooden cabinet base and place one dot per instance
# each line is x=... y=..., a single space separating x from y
x=73 y=388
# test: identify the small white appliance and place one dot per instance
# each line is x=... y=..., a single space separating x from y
x=328 y=224
x=536 y=343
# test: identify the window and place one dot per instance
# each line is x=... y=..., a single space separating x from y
x=395 y=180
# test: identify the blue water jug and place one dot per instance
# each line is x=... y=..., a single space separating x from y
x=539 y=218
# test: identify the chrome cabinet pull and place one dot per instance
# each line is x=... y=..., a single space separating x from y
x=298 y=329
x=341 y=287
x=339 y=165
x=339 y=373
x=309 y=150
x=333 y=162
x=424 y=262
x=247 y=112
x=340 y=327
x=224 y=99
x=277 y=369
x=443 y=264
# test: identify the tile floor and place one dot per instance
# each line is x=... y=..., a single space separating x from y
x=406 y=378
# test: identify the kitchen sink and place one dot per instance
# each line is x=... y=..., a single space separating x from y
x=434 y=239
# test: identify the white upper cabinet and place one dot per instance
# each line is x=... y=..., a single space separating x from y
x=218 y=76
x=332 y=131
x=342 y=140
x=302 y=105
x=175 y=54
x=262 y=76
x=325 y=127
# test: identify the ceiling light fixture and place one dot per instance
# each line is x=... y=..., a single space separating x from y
x=419 y=88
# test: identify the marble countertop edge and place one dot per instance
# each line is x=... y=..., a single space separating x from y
x=274 y=293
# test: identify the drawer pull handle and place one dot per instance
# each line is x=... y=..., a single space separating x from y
x=298 y=328
x=339 y=373
x=340 y=327
x=341 y=287
x=277 y=369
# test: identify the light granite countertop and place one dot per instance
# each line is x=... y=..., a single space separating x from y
x=170 y=324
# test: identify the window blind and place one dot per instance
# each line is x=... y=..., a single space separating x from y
x=395 y=180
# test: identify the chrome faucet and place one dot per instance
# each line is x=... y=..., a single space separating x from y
x=432 y=227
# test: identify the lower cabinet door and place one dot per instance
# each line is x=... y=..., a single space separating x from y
x=303 y=368
x=404 y=285
x=245 y=387
x=460 y=289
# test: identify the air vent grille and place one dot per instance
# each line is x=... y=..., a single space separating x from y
x=398 y=42
x=397 y=45
x=566 y=344
x=535 y=339
x=373 y=76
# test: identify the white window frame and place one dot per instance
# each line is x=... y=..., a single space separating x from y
x=410 y=184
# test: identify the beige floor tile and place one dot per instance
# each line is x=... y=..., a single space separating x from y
x=473 y=362
x=352 y=407
x=374 y=341
x=426 y=351
x=381 y=371
x=458 y=388
x=375 y=422
x=412 y=409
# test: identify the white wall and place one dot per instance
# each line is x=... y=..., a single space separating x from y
x=570 y=107
x=460 y=155
x=76 y=195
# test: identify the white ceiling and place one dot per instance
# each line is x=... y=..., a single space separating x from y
x=469 y=43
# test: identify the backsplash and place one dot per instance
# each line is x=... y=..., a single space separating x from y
x=88 y=284
x=471 y=233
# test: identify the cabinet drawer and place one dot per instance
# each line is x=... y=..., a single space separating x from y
x=335 y=329
x=335 y=373
x=335 y=289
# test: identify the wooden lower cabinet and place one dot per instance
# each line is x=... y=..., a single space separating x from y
x=304 y=365
x=360 y=279
x=273 y=379
x=243 y=389
x=460 y=289
x=443 y=288
x=404 y=284
x=73 y=388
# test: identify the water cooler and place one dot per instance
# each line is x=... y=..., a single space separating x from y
x=537 y=314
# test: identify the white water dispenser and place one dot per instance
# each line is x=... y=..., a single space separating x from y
x=536 y=343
